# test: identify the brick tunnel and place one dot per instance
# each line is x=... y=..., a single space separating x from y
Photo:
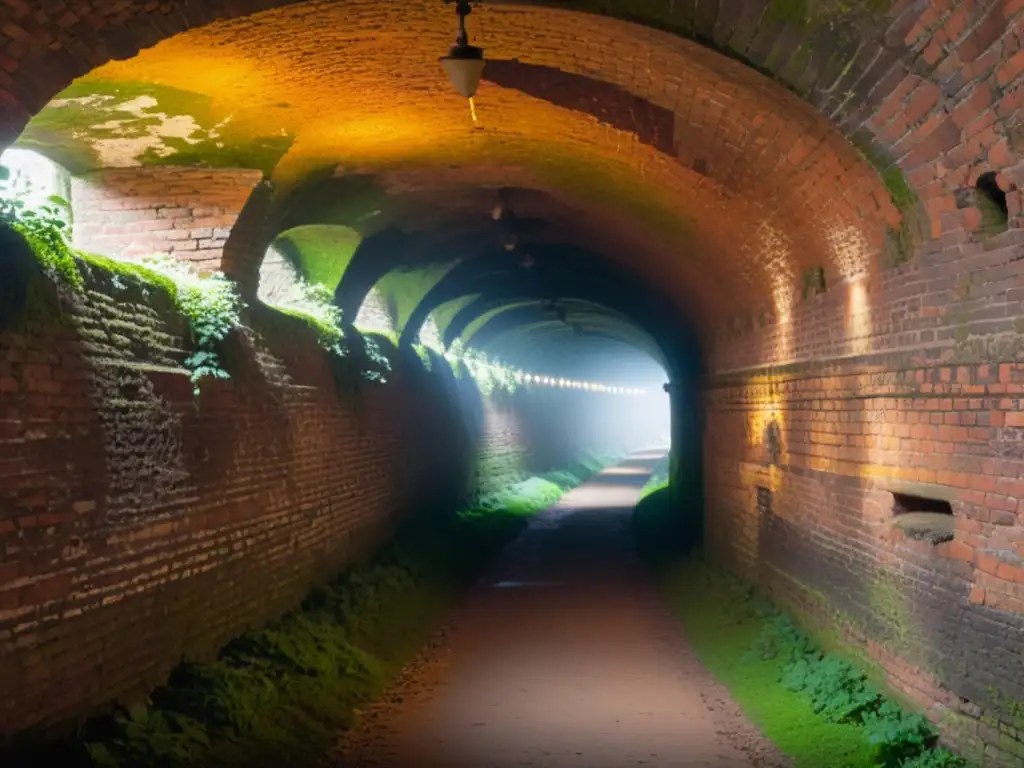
x=238 y=369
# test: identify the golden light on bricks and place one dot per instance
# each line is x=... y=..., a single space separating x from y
x=648 y=156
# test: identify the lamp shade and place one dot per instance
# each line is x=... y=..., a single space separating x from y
x=464 y=74
x=464 y=65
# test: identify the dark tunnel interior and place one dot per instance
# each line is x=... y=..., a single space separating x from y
x=520 y=382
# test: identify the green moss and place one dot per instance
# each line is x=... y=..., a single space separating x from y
x=320 y=252
x=814 y=13
x=259 y=152
x=602 y=183
x=58 y=260
x=326 y=333
x=891 y=605
x=130 y=270
x=895 y=182
x=404 y=289
x=445 y=313
x=723 y=623
x=994 y=219
x=279 y=695
x=93 y=109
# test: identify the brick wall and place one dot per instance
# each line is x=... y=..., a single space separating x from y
x=139 y=524
x=911 y=383
x=187 y=212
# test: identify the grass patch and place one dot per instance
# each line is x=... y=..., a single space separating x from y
x=537 y=493
x=817 y=707
x=658 y=481
x=724 y=620
x=280 y=694
x=652 y=488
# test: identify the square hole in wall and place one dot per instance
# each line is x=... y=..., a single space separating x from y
x=764 y=500
x=923 y=518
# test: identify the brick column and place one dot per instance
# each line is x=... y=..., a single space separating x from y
x=186 y=212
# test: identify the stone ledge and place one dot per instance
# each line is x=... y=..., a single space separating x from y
x=933 y=527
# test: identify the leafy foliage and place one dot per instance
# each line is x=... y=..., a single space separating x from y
x=316 y=306
x=800 y=694
x=150 y=737
x=835 y=689
x=841 y=693
x=210 y=304
x=44 y=229
x=934 y=758
x=424 y=355
x=898 y=736
x=379 y=364
x=212 y=308
x=489 y=375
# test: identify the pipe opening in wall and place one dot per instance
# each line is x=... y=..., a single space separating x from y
x=991 y=201
x=923 y=518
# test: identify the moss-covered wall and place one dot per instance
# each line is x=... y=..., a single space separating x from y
x=140 y=524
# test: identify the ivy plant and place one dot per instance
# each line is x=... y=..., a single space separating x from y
x=489 y=375
x=211 y=306
x=44 y=228
x=314 y=304
x=380 y=366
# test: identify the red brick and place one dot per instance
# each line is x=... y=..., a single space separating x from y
x=1010 y=69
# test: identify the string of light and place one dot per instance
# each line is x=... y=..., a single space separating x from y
x=588 y=386
x=484 y=369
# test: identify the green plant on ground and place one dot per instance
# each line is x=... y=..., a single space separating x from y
x=650 y=488
x=835 y=689
x=277 y=695
x=840 y=692
x=897 y=735
x=817 y=707
x=934 y=758
x=150 y=737
x=660 y=531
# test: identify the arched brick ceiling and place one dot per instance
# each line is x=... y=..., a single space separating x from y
x=552 y=349
x=582 y=319
x=711 y=174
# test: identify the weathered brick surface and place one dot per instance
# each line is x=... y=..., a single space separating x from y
x=186 y=212
x=915 y=374
x=933 y=84
x=910 y=382
x=138 y=525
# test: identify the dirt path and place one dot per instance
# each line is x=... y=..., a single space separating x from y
x=564 y=655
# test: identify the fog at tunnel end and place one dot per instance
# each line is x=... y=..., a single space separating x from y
x=462 y=383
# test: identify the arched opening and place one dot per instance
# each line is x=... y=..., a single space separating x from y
x=620 y=208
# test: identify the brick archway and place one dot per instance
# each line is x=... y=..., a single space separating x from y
x=770 y=211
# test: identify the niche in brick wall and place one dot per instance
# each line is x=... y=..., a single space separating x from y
x=772 y=443
x=923 y=518
x=990 y=199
